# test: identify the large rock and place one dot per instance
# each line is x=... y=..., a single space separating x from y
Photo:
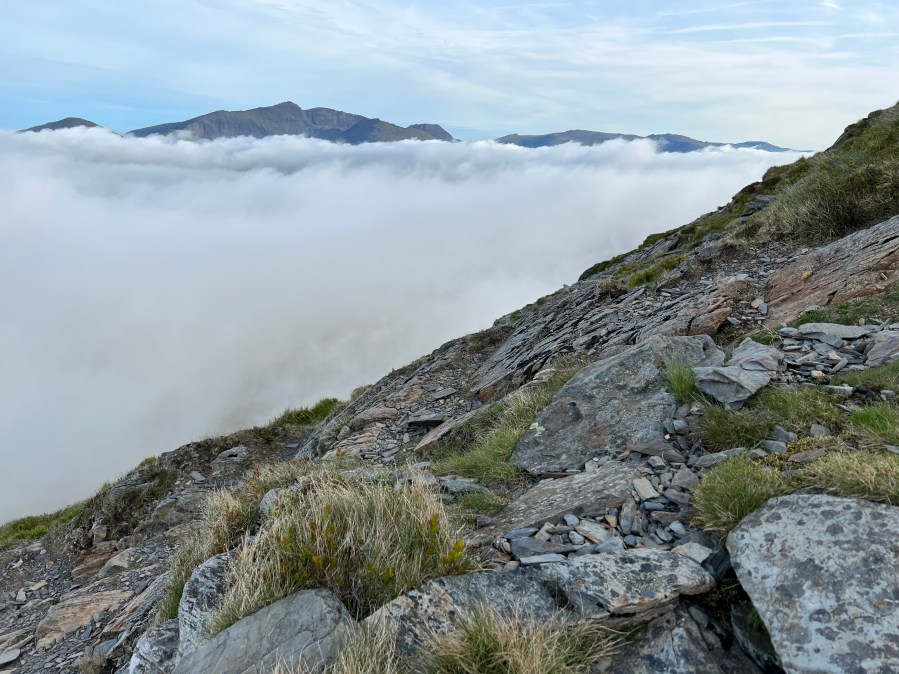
x=863 y=263
x=676 y=644
x=626 y=582
x=616 y=402
x=304 y=629
x=884 y=346
x=822 y=572
x=813 y=330
x=202 y=595
x=155 y=651
x=437 y=604
x=751 y=367
x=75 y=611
x=582 y=494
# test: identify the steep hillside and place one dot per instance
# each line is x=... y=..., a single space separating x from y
x=667 y=142
x=67 y=123
x=288 y=118
x=686 y=461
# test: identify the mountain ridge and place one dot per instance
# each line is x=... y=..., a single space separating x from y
x=668 y=142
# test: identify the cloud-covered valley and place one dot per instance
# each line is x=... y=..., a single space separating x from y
x=156 y=291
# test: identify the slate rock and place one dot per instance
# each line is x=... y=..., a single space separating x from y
x=813 y=330
x=884 y=346
x=750 y=368
x=269 y=501
x=675 y=644
x=155 y=650
x=626 y=582
x=435 y=606
x=201 y=597
x=582 y=494
x=304 y=629
x=822 y=573
x=76 y=611
x=615 y=402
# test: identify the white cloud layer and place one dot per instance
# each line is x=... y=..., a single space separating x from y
x=155 y=291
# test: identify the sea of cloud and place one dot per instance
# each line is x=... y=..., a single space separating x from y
x=156 y=291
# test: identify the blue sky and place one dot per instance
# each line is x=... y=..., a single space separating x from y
x=793 y=73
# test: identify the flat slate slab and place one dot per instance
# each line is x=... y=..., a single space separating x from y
x=823 y=573
x=610 y=405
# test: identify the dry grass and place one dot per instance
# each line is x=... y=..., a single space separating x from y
x=367 y=543
x=488 y=642
x=228 y=516
x=866 y=475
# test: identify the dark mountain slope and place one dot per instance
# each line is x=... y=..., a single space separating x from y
x=67 y=123
x=668 y=142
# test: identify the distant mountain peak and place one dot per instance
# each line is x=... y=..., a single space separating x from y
x=67 y=123
x=668 y=142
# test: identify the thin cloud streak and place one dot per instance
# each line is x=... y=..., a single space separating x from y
x=157 y=291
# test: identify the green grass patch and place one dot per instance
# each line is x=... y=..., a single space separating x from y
x=871 y=309
x=36 y=526
x=487 y=444
x=731 y=490
x=680 y=379
x=880 y=420
x=306 y=416
x=366 y=542
x=654 y=272
x=877 y=378
x=794 y=409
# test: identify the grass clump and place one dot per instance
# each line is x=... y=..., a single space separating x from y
x=493 y=439
x=654 y=272
x=871 y=309
x=487 y=642
x=867 y=475
x=36 y=526
x=306 y=416
x=879 y=420
x=680 y=379
x=878 y=378
x=228 y=516
x=733 y=489
x=366 y=542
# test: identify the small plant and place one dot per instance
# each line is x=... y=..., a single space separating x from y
x=861 y=474
x=655 y=271
x=733 y=489
x=681 y=381
x=367 y=543
x=487 y=642
x=880 y=420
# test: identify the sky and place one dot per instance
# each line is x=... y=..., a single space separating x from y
x=157 y=291
x=791 y=73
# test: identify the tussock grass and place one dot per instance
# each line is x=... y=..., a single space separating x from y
x=488 y=642
x=879 y=420
x=733 y=489
x=680 y=379
x=228 y=516
x=720 y=429
x=367 y=543
x=305 y=416
x=494 y=437
x=866 y=475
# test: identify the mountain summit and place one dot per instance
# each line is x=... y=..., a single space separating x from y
x=288 y=118
x=668 y=142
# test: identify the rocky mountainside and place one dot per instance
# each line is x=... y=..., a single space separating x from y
x=289 y=118
x=686 y=461
x=667 y=142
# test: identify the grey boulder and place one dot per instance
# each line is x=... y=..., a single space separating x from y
x=884 y=346
x=626 y=582
x=305 y=629
x=616 y=402
x=201 y=597
x=155 y=650
x=815 y=330
x=822 y=573
x=751 y=367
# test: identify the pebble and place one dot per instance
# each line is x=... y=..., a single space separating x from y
x=782 y=435
x=571 y=520
x=542 y=559
x=819 y=431
x=775 y=447
x=644 y=489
